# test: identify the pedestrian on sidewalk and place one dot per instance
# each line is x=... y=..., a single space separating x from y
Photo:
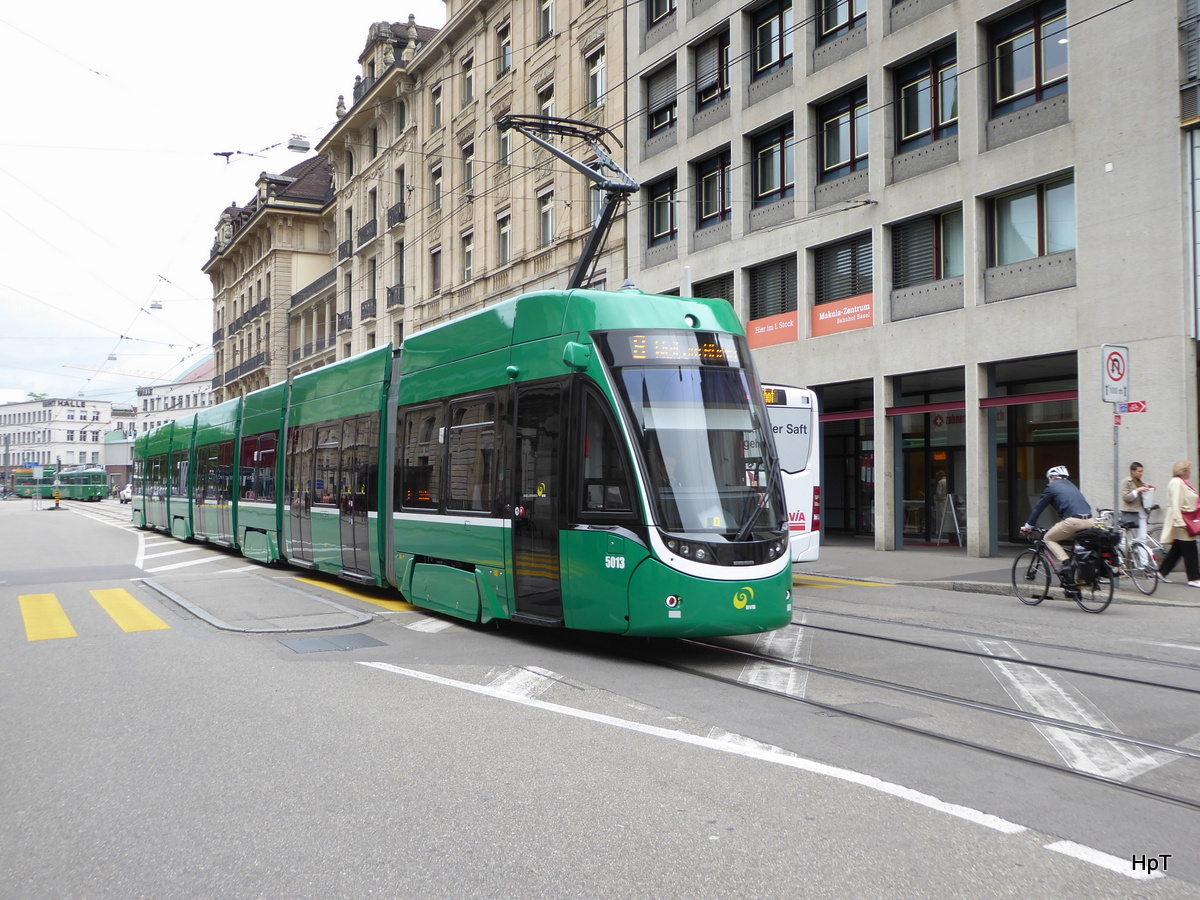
x=1181 y=498
x=1133 y=499
x=1071 y=505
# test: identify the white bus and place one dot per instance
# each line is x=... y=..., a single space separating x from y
x=793 y=415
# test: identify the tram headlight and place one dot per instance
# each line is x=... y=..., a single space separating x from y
x=673 y=545
x=701 y=555
x=685 y=549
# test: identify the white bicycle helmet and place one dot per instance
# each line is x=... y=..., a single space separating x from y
x=1058 y=472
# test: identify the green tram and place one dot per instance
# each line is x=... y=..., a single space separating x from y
x=83 y=483
x=25 y=485
x=578 y=458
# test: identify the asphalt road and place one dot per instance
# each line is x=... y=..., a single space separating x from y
x=449 y=760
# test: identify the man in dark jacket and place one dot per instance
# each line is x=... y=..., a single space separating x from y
x=1070 y=504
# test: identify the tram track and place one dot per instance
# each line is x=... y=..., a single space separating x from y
x=959 y=632
x=1143 y=745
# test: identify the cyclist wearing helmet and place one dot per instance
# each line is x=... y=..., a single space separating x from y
x=1070 y=504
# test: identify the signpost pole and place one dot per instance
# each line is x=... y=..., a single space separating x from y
x=1114 y=388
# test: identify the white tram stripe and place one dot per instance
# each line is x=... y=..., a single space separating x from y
x=772 y=755
x=182 y=565
x=787 y=644
x=173 y=552
x=1039 y=692
x=428 y=626
x=524 y=681
x=1099 y=858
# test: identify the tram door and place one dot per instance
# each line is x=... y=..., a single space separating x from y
x=358 y=445
x=537 y=488
x=300 y=494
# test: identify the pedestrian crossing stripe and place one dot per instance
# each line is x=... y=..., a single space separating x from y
x=125 y=610
x=45 y=619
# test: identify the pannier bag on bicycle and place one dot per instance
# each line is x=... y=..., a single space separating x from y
x=1091 y=547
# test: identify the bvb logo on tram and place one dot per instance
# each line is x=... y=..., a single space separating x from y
x=743 y=599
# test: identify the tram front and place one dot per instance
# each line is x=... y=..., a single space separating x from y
x=716 y=523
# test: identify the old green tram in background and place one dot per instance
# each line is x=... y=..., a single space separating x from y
x=573 y=458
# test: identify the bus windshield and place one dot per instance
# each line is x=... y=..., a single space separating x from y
x=699 y=423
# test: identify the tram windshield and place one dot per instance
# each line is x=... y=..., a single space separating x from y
x=700 y=426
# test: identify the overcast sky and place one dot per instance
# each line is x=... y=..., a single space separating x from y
x=109 y=189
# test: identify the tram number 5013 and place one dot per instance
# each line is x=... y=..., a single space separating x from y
x=614 y=562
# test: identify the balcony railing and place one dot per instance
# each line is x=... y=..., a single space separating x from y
x=395 y=214
x=368 y=231
x=217 y=335
x=311 y=290
x=345 y=248
x=344 y=320
x=367 y=309
x=395 y=296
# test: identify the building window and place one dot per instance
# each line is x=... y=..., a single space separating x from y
x=927 y=100
x=374 y=142
x=504 y=239
x=545 y=19
x=546 y=219
x=504 y=49
x=468 y=256
x=504 y=151
x=401 y=116
x=719 y=288
x=435 y=269
x=661 y=208
x=927 y=249
x=843 y=134
x=843 y=270
x=1029 y=56
x=349 y=163
x=546 y=100
x=70 y=435
x=1034 y=221
x=468 y=168
x=772 y=37
x=840 y=16
x=712 y=71
x=597 y=76
x=773 y=288
x=435 y=107
x=660 y=100
x=436 y=188
x=774 y=175
x=468 y=81
x=712 y=187
x=659 y=10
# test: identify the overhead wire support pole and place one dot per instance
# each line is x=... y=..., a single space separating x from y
x=615 y=183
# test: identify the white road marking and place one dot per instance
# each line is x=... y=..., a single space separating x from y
x=173 y=552
x=429 y=626
x=1039 y=692
x=754 y=751
x=182 y=565
x=523 y=681
x=787 y=644
x=1104 y=860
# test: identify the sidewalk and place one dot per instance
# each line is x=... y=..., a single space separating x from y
x=948 y=568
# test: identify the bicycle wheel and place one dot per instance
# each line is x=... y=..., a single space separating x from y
x=1142 y=569
x=1030 y=577
x=1095 y=596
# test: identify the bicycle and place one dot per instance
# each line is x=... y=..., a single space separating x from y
x=1090 y=581
x=1138 y=557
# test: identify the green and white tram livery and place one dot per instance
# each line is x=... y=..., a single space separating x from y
x=593 y=460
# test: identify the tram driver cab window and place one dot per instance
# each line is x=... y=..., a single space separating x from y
x=605 y=476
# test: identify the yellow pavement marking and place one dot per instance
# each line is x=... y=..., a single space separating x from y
x=393 y=605
x=127 y=612
x=44 y=618
x=819 y=581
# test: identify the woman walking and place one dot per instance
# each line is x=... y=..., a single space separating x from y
x=1181 y=498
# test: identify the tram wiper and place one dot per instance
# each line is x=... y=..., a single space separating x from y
x=752 y=517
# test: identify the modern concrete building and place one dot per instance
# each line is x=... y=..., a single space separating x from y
x=937 y=214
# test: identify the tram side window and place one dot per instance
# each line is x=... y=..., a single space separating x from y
x=300 y=460
x=328 y=477
x=420 y=476
x=360 y=469
x=605 y=477
x=257 y=478
x=179 y=473
x=156 y=482
x=472 y=443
